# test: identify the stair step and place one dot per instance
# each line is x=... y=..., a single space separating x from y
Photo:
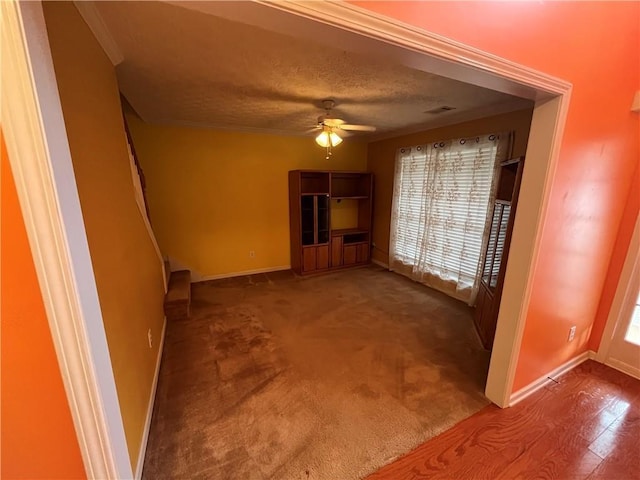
x=177 y=301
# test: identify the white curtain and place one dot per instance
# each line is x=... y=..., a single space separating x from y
x=442 y=195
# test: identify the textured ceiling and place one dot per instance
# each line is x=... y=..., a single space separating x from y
x=186 y=67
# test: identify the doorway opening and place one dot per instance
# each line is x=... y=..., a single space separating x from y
x=413 y=47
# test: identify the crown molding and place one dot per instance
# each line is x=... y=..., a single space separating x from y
x=370 y=24
x=96 y=24
x=452 y=119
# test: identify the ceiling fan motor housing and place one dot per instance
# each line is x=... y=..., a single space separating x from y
x=329 y=121
x=328 y=104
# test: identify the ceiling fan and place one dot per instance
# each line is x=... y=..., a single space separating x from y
x=330 y=126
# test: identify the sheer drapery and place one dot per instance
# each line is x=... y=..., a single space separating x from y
x=441 y=198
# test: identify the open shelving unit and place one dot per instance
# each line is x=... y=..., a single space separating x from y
x=330 y=219
x=497 y=250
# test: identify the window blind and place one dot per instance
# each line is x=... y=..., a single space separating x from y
x=441 y=196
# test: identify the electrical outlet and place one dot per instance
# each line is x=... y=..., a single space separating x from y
x=252 y=254
x=572 y=333
x=150 y=338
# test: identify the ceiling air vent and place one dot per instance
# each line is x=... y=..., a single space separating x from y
x=442 y=109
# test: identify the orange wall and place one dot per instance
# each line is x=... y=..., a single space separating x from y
x=595 y=46
x=37 y=437
x=617 y=260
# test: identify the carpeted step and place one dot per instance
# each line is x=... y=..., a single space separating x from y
x=177 y=301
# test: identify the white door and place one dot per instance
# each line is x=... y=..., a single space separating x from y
x=620 y=346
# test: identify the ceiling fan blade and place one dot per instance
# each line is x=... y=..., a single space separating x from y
x=357 y=128
x=333 y=122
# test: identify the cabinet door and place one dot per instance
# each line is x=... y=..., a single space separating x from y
x=485 y=316
x=336 y=251
x=308 y=219
x=477 y=315
x=309 y=259
x=349 y=254
x=322 y=257
x=322 y=216
x=363 y=253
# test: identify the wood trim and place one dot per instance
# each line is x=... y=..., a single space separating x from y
x=152 y=398
x=41 y=164
x=96 y=24
x=513 y=208
x=533 y=387
x=295 y=207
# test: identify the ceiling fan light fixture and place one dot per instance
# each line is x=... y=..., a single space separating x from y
x=328 y=138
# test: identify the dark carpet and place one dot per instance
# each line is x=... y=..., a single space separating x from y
x=322 y=378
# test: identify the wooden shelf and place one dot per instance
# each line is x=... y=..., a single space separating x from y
x=497 y=250
x=307 y=194
x=511 y=161
x=347 y=231
x=350 y=197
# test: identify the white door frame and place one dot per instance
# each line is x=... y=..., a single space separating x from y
x=623 y=302
x=41 y=163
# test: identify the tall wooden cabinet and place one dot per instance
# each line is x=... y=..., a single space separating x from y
x=497 y=250
x=330 y=219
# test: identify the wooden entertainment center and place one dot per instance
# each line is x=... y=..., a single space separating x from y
x=330 y=219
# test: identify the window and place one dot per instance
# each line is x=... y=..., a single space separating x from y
x=633 y=332
x=442 y=194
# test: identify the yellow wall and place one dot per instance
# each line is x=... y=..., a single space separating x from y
x=127 y=270
x=344 y=214
x=214 y=196
x=382 y=155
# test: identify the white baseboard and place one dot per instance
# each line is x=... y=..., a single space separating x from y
x=545 y=379
x=205 y=278
x=379 y=263
x=623 y=367
x=152 y=398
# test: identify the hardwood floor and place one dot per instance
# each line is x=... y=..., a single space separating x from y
x=586 y=426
